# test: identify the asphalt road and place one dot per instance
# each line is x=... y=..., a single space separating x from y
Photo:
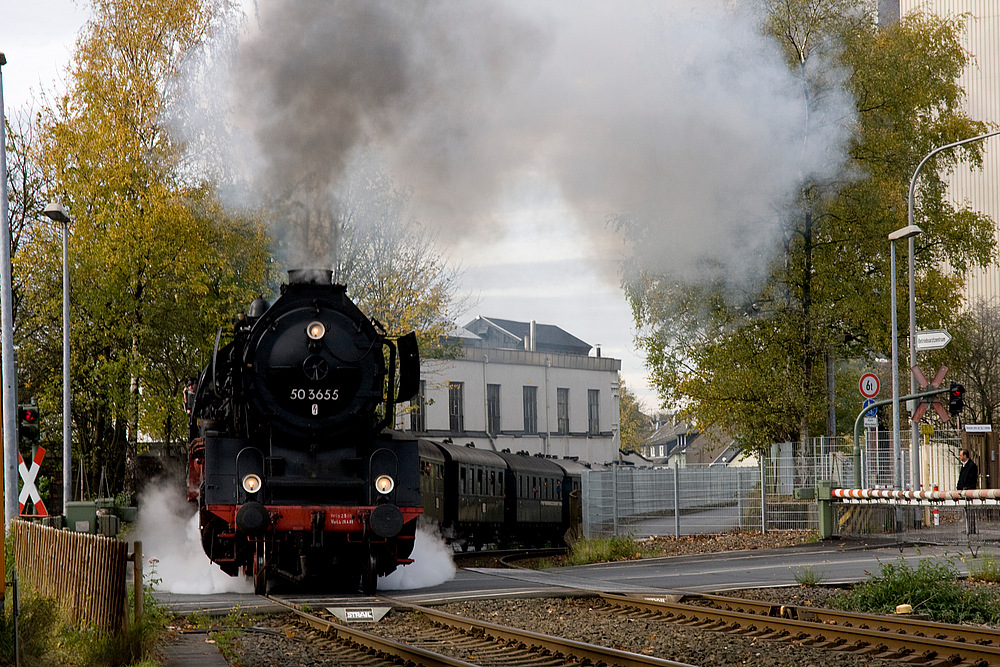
x=832 y=562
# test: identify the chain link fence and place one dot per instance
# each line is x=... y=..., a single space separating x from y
x=755 y=494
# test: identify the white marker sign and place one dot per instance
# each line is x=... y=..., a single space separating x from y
x=932 y=339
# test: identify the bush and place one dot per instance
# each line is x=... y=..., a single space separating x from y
x=933 y=588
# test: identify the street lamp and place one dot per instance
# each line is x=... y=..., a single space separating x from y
x=907 y=232
x=57 y=213
x=7 y=336
x=914 y=426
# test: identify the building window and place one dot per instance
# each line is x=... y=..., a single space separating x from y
x=562 y=410
x=593 y=414
x=418 y=409
x=456 y=407
x=531 y=410
x=493 y=409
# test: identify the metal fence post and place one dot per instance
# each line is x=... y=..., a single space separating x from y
x=614 y=498
x=677 y=499
x=763 y=494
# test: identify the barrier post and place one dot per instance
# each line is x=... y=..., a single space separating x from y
x=825 y=508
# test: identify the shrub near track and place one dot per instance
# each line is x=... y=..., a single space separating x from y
x=932 y=588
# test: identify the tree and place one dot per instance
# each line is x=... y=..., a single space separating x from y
x=976 y=352
x=156 y=265
x=26 y=190
x=752 y=360
x=635 y=426
x=390 y=262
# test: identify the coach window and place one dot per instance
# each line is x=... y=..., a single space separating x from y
x=479 y=481
x=461 y=476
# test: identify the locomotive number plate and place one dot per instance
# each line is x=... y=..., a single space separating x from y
x=315 y=394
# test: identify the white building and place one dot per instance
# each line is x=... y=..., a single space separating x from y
x=521 y=386
x=981 y=80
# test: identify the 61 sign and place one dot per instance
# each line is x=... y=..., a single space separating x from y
x=869 y=385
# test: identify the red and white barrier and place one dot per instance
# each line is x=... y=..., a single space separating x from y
x=989 y=496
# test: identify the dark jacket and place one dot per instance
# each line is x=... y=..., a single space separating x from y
x=969 y=477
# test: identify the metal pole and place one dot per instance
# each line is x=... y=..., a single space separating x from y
x=763 y=494
x=677 y=500
x=914 y=427
x=896 y=462
x=67 y=443
x=911 y=405
x=7 y=335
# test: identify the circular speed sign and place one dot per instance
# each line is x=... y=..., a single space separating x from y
x=869 y=385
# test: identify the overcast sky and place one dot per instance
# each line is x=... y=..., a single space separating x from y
x=535 y=266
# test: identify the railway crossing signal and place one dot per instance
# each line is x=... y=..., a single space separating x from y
x=28 y=418
x=924 y=403
x=956 y=398
x=29 y=490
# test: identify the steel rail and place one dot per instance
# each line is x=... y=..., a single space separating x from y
x=413 y=654
x=972 y=634
x=841 y=637
x=559 y=646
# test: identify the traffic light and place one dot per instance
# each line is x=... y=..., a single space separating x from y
x=28 y=418
x=956 y=398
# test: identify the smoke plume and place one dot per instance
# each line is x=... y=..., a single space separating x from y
x=676 y=115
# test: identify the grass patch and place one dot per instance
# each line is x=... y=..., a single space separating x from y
x=986 y=568
x=932 y=588
x=602 y=550
x=808 y=576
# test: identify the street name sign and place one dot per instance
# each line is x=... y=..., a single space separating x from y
x=932 y=339
x=979 y=428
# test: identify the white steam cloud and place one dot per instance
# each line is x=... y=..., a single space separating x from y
x=171 y=542
x=432 y=564
x=676 y=113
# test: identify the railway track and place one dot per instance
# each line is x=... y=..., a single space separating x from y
x=914 y=641
x=418 y=635
x=439 y=639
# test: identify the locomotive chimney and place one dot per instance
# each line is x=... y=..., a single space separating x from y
x=310 y=277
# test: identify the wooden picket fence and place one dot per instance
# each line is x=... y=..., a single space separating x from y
x=84 y=573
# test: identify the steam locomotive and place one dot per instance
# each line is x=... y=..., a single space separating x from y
x=289 y=460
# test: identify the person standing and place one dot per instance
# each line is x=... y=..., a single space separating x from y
x=968 y=478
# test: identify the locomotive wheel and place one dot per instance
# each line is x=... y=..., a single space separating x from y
x=369 y=576
x=259 y=570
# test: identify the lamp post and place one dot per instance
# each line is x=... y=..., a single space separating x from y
x=914 y=426
x=57 y=213
x=7 y=335
x=907 y=232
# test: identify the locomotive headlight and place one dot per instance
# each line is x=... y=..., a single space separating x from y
x=251 y=483
x=384 y=484
x=315 y=330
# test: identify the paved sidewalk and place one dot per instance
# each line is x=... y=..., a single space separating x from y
x=191 y=650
